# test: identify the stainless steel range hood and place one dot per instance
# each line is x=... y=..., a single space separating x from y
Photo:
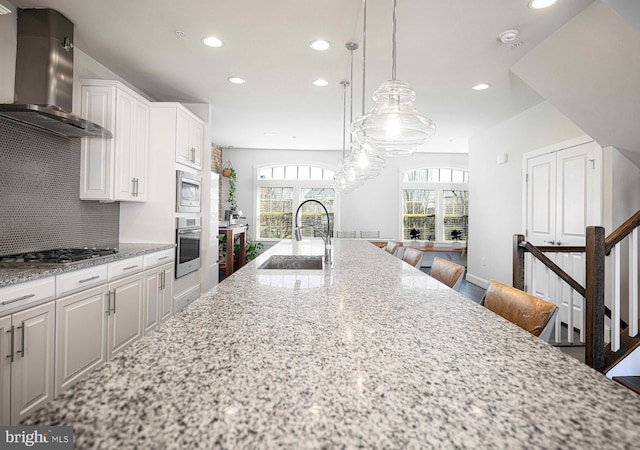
x=44 y=76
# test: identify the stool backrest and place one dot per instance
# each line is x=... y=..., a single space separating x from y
x=525 y=310
x=447 y=272
x=412 y=256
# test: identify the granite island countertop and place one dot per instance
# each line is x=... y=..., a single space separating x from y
x=370 y=353
x=9 y=276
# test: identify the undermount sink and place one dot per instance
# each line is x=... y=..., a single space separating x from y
x=293 y=262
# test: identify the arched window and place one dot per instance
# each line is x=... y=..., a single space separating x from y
x=435 y=204
x=282 y=188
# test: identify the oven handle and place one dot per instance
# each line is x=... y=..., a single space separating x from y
x=185 y=232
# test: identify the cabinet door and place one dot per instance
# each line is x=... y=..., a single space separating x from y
x=5 y=371
x=125 y=151
x=141 y=151
x=81 y=330
x=32 y=370
x=152 y=293
x=183 y=152
x=97 y=155
x=166 y=293
x=196 y=136
x=125 y=320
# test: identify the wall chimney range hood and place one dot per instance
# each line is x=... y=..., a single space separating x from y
x=44 y=77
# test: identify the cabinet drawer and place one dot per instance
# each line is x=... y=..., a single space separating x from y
x=20 y=296
x=157 y=258
x=81 y=279
x=185 y=299
x=119 y=269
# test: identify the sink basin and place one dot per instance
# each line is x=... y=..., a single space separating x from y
x=293 y=262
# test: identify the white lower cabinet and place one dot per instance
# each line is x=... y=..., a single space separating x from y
x=27 y=361
x=124 y=311
x=81 y=335
x=94 y=325
x=158 y=293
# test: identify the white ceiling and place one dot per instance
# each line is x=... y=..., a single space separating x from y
x=444 y=48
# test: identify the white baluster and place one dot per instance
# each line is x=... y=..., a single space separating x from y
x=633 y=283
x=615 y=302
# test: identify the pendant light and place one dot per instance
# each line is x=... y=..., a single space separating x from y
x=345 y=181
x=361 y=162
x=393 y=127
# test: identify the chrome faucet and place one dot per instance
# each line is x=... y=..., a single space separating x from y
x=325 y=237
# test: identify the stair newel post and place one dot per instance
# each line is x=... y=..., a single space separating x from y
x=594 y=298
x=518 y=262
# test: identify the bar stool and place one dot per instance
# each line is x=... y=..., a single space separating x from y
x=392 y=247
x=412 y=256
x=370 y=234
x=346 y=234
x=525 y=310
x=447 y=272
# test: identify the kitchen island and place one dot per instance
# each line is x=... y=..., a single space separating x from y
x=369 y=353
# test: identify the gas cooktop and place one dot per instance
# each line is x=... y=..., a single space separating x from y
x=54 y=258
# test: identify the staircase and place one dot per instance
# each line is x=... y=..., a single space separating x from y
x=611 y=345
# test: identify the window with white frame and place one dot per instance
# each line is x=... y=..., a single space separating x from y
x=435 y=204
x=281 y=189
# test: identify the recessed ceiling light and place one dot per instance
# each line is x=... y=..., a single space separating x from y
x=539 y=4
x=268 y=134
x=236 y=80
x=481 y=86
x=508 y=36
x=321 y=83
x=320 y=44
x=212 y=41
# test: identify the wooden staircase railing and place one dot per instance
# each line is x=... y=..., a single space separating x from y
x=596 y=249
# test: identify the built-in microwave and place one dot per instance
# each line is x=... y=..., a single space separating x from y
x=188 y=192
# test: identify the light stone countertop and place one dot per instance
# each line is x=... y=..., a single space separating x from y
x=371 y=353
x=10 y=276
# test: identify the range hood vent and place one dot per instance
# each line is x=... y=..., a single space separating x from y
x=44 y=77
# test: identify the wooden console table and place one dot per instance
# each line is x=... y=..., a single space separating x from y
x=228 y=261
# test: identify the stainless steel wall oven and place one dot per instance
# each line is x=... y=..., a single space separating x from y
x=188 y=236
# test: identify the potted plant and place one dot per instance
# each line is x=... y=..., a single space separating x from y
x=231 y=199
x=456 y=236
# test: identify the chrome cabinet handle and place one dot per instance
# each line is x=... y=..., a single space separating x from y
x=8 y=302
x=89 y=279
x=164 y=257
x=114 y=301
x=108 y=303
x=130 y=267
x=551 y=242
x=559 y=243
x=193 y=154
x=21 y=351
x=12 y=330
x=162 y=280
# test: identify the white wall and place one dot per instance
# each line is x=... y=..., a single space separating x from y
x=373 y=206
x=495 y=191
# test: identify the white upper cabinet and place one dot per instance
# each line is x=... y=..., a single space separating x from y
x=114 y=169
x=189 y=139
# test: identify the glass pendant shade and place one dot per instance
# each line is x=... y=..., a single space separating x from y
x=393 y=127
x=361 y=163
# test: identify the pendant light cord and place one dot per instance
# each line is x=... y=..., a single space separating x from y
x=364 y=54
x=344 y=85
x=393 y=53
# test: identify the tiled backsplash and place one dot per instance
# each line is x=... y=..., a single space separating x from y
x=40 y=208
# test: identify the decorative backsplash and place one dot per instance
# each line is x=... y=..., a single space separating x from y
x=40 y=208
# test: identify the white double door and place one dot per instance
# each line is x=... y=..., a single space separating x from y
x=563 y=197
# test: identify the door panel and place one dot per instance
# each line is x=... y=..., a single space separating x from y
x=32 y=370
x=5 y=371
x=541 y=194
x=126 y=320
